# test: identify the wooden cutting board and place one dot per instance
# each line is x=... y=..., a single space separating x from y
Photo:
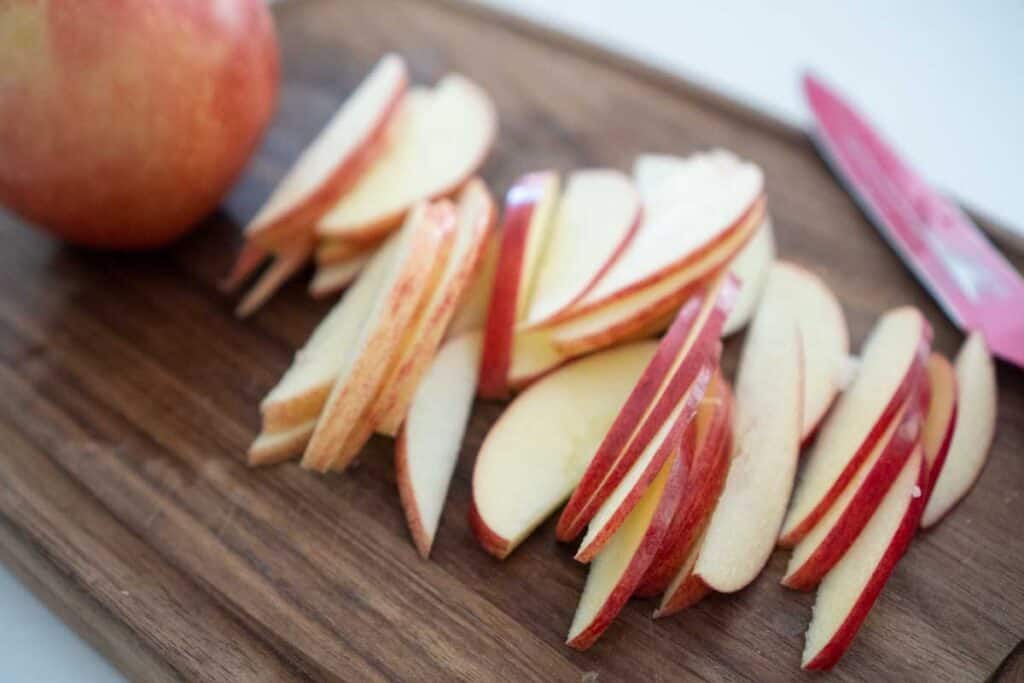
x=128 y=394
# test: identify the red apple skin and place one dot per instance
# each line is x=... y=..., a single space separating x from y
x=122 y=124
x=865 y=501
x=840 y=642
x=520 y=202
x=492 y=542
x=611 y=463
x=641 y=558
x=703 y=487
x=909 y=384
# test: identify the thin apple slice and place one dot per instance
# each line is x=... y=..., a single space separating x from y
x=751 y=268
x=848 y=592
x=597 y=215
x=769 y=400
x=332 y=278
x=684 y=216
x=529 y=207
x=940 y=419
x=615 y=508
x=285 y=263
x=533 y=356
x=329 y=252
x=825 y=336
x=303 y=390
x=684 y=351
x=471 y=314
x=835 y=532
x=711 y=433
x=439 y=140
x=424 y=244
x=616 y=571
x=974 y=430
x=271 y=448
x=475 y=216
x=534 y=455
x=686 y=588
x=333 y=162
x=637 y=310
x=892 y=361
x=428 y=446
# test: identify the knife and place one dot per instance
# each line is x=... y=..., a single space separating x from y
x=972 y=282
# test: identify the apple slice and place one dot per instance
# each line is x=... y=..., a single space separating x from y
x=668 y=440
x=684 y=351
x=428 y=446
x=836 y=531
x=711 y=432
x=529 y=206
x=339 y=155
x=974 y=430
x=686 y=588
x=533 y=356
x=823 y=330
x=303 y=390
x=848 y=592
x=439 y=140
x=751 y=268
x=625 y=316
x=471 y=314
x=475 y=216
x=424 y=244
x=684 y=216
x=285 y=263
x=329 y=252
x=535 y=453
x=940 y=418
x=271 y=448
x=616 y=571
x=332 y=278
x=769 y=399
x=596 y=217
x=892 y=361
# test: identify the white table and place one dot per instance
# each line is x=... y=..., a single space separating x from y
x=943 y=79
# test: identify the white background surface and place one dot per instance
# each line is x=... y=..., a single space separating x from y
x=943 y=80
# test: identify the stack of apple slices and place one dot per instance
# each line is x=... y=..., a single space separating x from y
x=609 y=259
x=387 y=148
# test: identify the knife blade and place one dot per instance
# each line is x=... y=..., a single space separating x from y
x=970 y=279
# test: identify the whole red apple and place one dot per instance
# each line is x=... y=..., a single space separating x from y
x=123 y=122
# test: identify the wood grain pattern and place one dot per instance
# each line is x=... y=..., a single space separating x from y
x=128 y=394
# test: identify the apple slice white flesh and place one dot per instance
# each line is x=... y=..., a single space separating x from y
x=836 y=531
x=616 y=571
x=533 y=456
x=471 y=314
x=332 y=278
x=637 y=310
x=475 y=216
x=614 y=509
x=686 y=588
x=892 y=361
x=302 y=391
x=529 y=208
x=711 y=432
x=597 y=215
x=940 y=419
x=751 y=268
x=423 y=248
x=684 y=351
x=329 y=252
x=825 y=336
x=428 y=446
x=533 y=356
x=768 y=404
x=285 y=263
x=439 y=140
x=334 y=160
x=848 y=592
x=271 y=448
x=974 y=430
x=683 y=216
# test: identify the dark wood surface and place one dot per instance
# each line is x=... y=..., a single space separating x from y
x=128 y=394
